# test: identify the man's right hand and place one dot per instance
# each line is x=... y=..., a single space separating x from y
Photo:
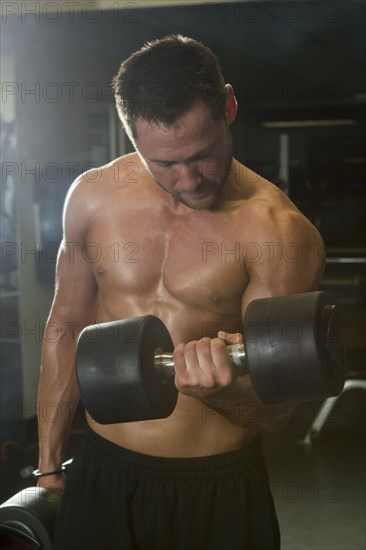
x=53 y=483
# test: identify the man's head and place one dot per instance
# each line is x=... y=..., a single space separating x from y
x=173 y=102
x=163 y=79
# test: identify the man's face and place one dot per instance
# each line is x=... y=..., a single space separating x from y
x=190 y=159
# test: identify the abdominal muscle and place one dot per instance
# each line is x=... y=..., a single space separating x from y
x=193 y=430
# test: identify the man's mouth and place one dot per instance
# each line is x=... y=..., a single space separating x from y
x=195 y=194
x=202 y=191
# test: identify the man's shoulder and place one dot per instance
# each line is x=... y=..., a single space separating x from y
x=279 y=236
x=260 y=197
x=131 y=162
x=270 y=212
x=119 y=170
x=99 y=182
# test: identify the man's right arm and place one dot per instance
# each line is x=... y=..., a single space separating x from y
x=74 y=307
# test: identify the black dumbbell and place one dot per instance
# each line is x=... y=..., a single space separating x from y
x=27 y=519
x=292 y=351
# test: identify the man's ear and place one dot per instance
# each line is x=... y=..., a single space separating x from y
x=231 y=105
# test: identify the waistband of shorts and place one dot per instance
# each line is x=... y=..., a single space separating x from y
x=216 y=465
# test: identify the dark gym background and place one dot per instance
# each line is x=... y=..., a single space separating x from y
x=298 y=70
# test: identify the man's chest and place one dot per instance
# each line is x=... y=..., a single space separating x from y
x=196 y=260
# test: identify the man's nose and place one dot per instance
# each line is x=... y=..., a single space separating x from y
x=190 y=177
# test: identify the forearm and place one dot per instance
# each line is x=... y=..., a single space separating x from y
x=240 y=405
x=57 y=401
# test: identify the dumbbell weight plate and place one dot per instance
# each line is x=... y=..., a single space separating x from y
x=294 y=348
x=115 y=371
x=32 y=511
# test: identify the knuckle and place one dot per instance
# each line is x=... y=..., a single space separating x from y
x=204 y=349
x=217 y=345
x=209 y=381
x=180 y=382
x=226 y=378
x=238 y=338
x=190 y=347
x=177 y=356
x=203 y=343
x=178 y=349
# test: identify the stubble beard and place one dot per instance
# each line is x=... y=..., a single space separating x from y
x=213 y=187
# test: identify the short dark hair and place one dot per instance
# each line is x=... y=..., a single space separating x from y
x=161 y=81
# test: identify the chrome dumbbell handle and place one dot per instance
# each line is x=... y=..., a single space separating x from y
x=164 y=363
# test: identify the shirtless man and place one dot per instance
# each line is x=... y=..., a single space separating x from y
x=181 y=230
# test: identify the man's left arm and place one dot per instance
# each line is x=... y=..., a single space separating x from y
x=291 y=262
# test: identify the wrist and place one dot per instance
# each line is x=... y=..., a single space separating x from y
x=47 y=470
x=38 y=473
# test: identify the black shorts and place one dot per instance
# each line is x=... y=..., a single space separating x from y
x=117 y=499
